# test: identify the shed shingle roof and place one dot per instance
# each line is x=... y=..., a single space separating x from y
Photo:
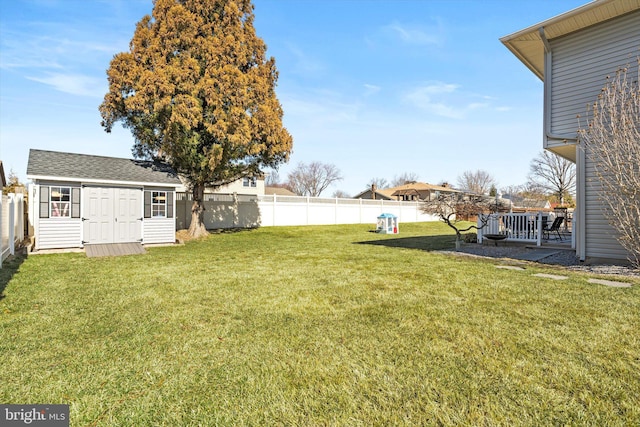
x=85 y=167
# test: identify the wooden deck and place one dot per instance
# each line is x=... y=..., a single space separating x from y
x=115 y=249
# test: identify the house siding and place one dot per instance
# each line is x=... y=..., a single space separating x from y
x=581 y=62
x=590 y=54
x=600 y=237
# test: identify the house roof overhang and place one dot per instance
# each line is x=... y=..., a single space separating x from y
x=528 y=44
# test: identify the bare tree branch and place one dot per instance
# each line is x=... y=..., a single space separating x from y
x=611 y=142
x=378 y=182
x=453 y=206
x=404 y=178
x=313 y=178
x=554 y=174
x=476 y=182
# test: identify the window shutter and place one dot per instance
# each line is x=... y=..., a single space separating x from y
x=75 y=203
x=44 y=202
x=170 y=204
x=147 y=204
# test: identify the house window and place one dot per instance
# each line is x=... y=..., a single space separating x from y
x=159 y=204
x=249 y=181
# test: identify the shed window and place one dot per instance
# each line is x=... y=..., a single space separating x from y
x=158 y=204
x=59 y=202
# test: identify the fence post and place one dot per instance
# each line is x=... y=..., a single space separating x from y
x=20 y=207
x=273 y=220
x=12 y=224
x=479 y=224
x=2 y=219
x=539 y=222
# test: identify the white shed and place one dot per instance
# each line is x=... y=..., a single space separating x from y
x=79 y=199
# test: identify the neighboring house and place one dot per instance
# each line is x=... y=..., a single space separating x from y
x=411 y=191
x=374 y=193
x=528 y=204
x=573 y=54
x=278 y=191
x=250 y=186
x=533 y=204
x=81 y=199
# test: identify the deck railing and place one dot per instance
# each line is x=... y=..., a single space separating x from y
x=518 y=227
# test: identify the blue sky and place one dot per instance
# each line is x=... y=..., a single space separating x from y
x=377 y=88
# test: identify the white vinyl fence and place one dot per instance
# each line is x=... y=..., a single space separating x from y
x=231 y=211
x=11 y=224
x=295 y=210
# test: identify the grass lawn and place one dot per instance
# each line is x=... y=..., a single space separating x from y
x=316 y=326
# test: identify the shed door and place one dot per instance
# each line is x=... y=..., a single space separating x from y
x=112 y=215
x=128 y=215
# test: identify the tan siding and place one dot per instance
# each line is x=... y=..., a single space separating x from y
x=591 y=55
x=59 y=233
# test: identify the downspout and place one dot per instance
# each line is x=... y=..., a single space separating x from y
x=580 y=157
x=580 y=223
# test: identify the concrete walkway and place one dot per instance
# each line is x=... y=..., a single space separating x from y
x=610 y=283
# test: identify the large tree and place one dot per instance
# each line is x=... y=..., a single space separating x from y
x=404 y=178
x=378 y=182
x=313 y=178
x=611 y=140
x=554 y=174
x=476 y=182
x=196 y=90
x=14 y=185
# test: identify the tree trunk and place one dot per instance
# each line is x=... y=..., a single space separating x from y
x=458 y=240
x=197 y=228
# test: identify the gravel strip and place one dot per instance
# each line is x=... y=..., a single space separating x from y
x=566 y=258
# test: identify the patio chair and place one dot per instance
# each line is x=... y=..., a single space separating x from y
x=554 y=228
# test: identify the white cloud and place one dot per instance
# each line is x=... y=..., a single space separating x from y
x=305 y=64
x=426 y=98
x=318 y=109
x=446 y=100
x=477 y=105
x=415 y=34
x=371 y=89
x=75 y=84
